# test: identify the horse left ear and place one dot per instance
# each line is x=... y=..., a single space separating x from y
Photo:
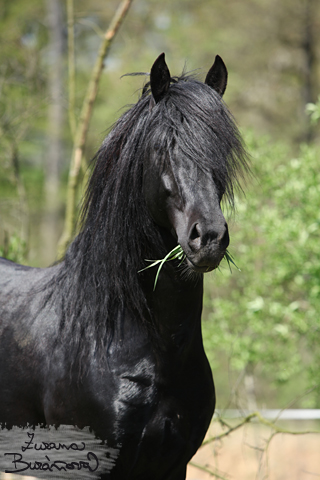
x=159 y=78
x=217 y=77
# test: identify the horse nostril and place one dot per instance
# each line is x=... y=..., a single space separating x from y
x=217 y=237
x=224 y=239
x=195 y=237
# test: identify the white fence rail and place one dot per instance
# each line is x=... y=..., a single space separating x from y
x=273 y=414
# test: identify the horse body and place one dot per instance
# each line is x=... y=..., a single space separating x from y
x=89 y=341
x=161 y=404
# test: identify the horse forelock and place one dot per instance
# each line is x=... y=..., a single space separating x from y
x=204 y=132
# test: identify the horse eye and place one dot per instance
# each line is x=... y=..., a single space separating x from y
x=157 y=147
x=167 y=184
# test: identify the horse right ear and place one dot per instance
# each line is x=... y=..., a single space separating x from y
x=217 y=77
x=159 y=78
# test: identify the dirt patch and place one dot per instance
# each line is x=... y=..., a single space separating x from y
x=244 y=455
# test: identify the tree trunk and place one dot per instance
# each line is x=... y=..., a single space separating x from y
x=55 y=124
x=308 y=45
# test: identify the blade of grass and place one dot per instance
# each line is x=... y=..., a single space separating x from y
x=178 y=253
x=230 y=259
x=175 y=253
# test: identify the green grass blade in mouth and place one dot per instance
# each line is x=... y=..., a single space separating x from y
x=178 y=253
x=175 y=253
x=230 y=259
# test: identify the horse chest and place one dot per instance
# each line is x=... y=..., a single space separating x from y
x=158 y=417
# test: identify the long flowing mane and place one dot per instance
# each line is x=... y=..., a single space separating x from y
x=99 y=276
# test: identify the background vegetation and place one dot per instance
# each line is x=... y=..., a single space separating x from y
x=261 y=325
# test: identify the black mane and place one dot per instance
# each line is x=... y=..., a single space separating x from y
x=99 y=274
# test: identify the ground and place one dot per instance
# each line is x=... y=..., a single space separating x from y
x=242 y=455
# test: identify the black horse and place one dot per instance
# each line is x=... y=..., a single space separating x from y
x=89 y=341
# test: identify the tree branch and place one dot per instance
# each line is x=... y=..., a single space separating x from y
x=83 y=126
x=252 y=416
x=207 y=470
x=71 y=69
x=262 y=420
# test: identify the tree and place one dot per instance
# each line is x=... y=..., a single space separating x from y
x=21 y=107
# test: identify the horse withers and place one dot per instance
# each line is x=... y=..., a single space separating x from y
x=90 y=341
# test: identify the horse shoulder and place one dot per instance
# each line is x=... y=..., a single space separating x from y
x=26 y=335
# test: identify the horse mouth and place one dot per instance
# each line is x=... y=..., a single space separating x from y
x=203 y=268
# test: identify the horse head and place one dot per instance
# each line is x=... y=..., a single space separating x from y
x=190 y=161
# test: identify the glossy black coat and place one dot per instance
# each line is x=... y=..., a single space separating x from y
x=156 y=406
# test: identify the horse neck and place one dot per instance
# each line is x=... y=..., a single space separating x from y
x=176 y=300
x=95 y=286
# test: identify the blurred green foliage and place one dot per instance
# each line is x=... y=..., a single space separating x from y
x=266 y=317
x=14 y=249
x=313 y=109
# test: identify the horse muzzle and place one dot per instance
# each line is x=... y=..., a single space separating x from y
x=205 y=248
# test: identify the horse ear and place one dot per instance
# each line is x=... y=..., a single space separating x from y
x=217 y=77
x=159 y=78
